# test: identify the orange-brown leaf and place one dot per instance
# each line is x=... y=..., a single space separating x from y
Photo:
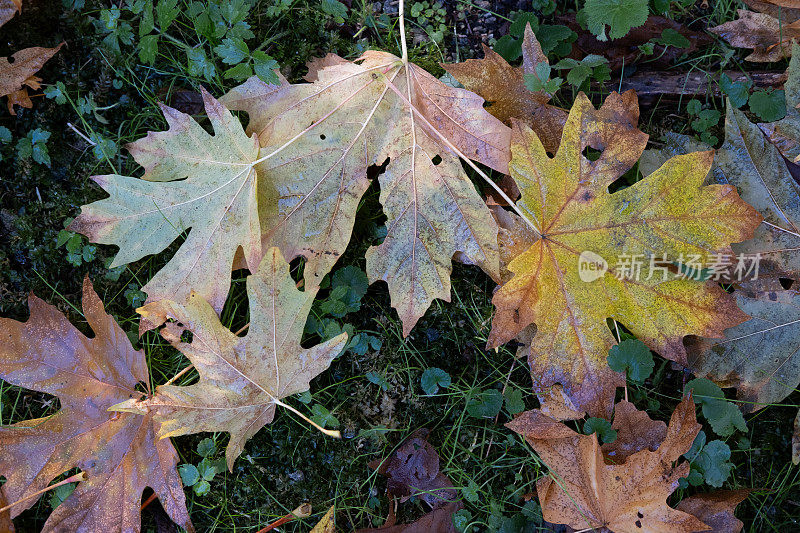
x=118 y=452
x=583 y=491
x=13 y=76
x=715 y=509
x=768 y=37
x=503 y=87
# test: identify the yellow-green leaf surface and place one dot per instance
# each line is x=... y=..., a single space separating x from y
x=318 y=140
x=196 y=182
x=670 y=212
x=241 y=378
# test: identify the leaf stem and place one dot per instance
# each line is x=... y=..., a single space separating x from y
x=329 y=432
x=80 y=476
x=402 y=10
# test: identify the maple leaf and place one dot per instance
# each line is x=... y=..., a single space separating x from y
x=118 y=452
x=769 y=38
x=635 y=432
x=583 y=491
x=317 y=141
x=503 y=87
x=192 y=180
x=14 y=76
x=242 y=379
x=670 y=213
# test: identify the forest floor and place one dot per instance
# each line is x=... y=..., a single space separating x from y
x=371 y=393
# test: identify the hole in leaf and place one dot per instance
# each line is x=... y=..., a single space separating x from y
x=187 y=336
x=436 y=159
x=786 y=283
x=591 y=154
x=322 y=137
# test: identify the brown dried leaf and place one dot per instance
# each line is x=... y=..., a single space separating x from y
x=9 y=8
x=583 y=491
x=118 y=452
x=413 y=470
x=6 y=525
x=635 y=432
x=437 y=521
x=715 y=509
x=503 y=88
x=14 y=76
x=769 y=38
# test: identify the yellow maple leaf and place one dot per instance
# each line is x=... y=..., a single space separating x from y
x=670 y=214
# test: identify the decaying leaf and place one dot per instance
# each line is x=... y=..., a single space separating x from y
x=242 y=379
x=670 y=213
x=768 y=37
x=785 y=133
x=192 y=180
x=6 y=525
x=750 y=162
x=760 y=357
x=503 y=87
x=796 y=440
x=715 y=509
x=9 y=8
x=413 y=470
x=437 y=521
x=583 y=491
x=317 y=141
x=636 y=431
x=118 y=452
x=16 y=75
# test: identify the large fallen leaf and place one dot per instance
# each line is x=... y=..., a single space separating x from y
x=756 y=167
x=192 y=180
x=242 y=379
x=118 y=452
x=503 y=88
x=768 y=37
x=715 y=509
x=670 y=212
x=16 y=75
x=317 y=141
x=760 y=357
x=583 y=491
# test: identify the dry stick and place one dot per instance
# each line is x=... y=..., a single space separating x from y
x=80 y=476
x=149 y=500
